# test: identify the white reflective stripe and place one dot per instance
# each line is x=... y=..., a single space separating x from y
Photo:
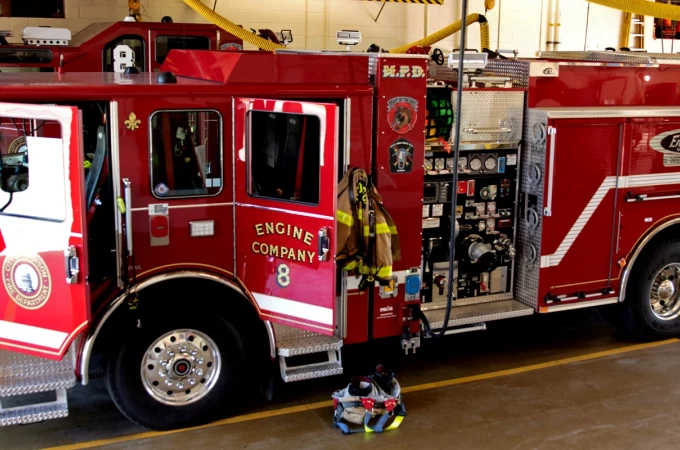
x=293 y=308
x=32 y=335
x=632 y=181
x=353 y=282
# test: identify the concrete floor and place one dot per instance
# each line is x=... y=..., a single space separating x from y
x=619 y=396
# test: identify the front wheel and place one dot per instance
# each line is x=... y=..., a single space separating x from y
x=176 y=373
x=652 y=305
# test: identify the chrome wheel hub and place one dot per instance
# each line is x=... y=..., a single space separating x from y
x=664 y=296
x=181 y=367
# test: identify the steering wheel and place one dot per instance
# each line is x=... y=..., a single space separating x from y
x=438 y=57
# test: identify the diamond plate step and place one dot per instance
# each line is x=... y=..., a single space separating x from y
x=295 y=342
x=474 y=314
x=36 y=412
x=307 y=345
x=23 y=374
x=313 y=371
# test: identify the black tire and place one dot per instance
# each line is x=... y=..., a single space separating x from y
x=125 y=385
x=637 y=316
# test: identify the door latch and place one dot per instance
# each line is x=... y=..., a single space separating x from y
x=324 y=244
x=72 y=263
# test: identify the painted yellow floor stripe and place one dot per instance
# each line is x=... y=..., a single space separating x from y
x=326 y=404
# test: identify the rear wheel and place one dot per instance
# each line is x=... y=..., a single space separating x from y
x=177 y=373
x=652 y=306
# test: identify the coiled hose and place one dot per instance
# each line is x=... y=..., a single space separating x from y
x=448 y=31
x=231 y=27
x=643 y=7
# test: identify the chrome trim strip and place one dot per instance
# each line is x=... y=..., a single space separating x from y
x=626 y=272
x=88 y=344
x=295 y=213
x=272 y=339
x=649 y=199
x=555 y=308
x=115 y=176
x=207 y=205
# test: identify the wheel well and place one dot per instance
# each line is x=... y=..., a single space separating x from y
x=670 y=231
x=206 y=295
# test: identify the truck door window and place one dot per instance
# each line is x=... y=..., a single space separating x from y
x=186 y=153
x=284 y=156
x=122 y=53
x=166 y=43
x=37 y=191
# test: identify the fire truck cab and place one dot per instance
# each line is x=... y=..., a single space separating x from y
x=178 y=229
x=109 y=46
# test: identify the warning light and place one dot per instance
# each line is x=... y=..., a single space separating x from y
x=202 y=228
x=622 y=262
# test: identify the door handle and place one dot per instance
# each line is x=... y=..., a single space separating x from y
x=72 y=263
x=324 y=244
x=128 y=214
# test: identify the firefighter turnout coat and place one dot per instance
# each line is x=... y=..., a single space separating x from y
x=368 y=242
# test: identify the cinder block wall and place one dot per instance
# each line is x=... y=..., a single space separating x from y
x=523 y=25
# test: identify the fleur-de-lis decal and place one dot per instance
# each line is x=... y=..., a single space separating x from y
x=132 y=123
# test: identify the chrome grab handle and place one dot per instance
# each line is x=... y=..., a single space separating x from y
x=128 y=214
x=501 y=130
x=72 y=263
x=547 y=211
x=324 y=244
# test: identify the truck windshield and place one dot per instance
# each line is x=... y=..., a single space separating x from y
x=25 y=55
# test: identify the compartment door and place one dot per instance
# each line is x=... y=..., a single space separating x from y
x=582 y=176
x=44 y=298
x=286 y=169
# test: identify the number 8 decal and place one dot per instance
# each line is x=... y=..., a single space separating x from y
x=283 y=275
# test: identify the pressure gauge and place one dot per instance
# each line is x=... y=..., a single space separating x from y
x=462 y=164
x=475 y=164
x=439 y=164
x=428 y=165
x=490 y=163
x=449 y=163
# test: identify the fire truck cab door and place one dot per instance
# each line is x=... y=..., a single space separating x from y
x=44 y=299
x=286 y=184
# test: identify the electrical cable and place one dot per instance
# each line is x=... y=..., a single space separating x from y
x=454 y=191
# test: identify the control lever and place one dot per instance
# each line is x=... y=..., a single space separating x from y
x=324 y=244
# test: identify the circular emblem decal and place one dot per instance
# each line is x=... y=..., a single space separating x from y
x=27 y=281
x=402 y=113
x=231 y=47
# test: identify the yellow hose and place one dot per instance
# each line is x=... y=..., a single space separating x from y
x=448 y=31
x=231 y=27
x=643 y=7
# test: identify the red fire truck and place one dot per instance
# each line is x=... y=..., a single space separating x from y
x=179 y=226
x=109 y=46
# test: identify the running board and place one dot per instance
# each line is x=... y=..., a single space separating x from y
x=35 y=412
x=291 y=343
x=24 y=376
x=476 y=314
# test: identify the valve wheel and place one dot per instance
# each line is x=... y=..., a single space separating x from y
x=664 y=295
x=181 y=367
